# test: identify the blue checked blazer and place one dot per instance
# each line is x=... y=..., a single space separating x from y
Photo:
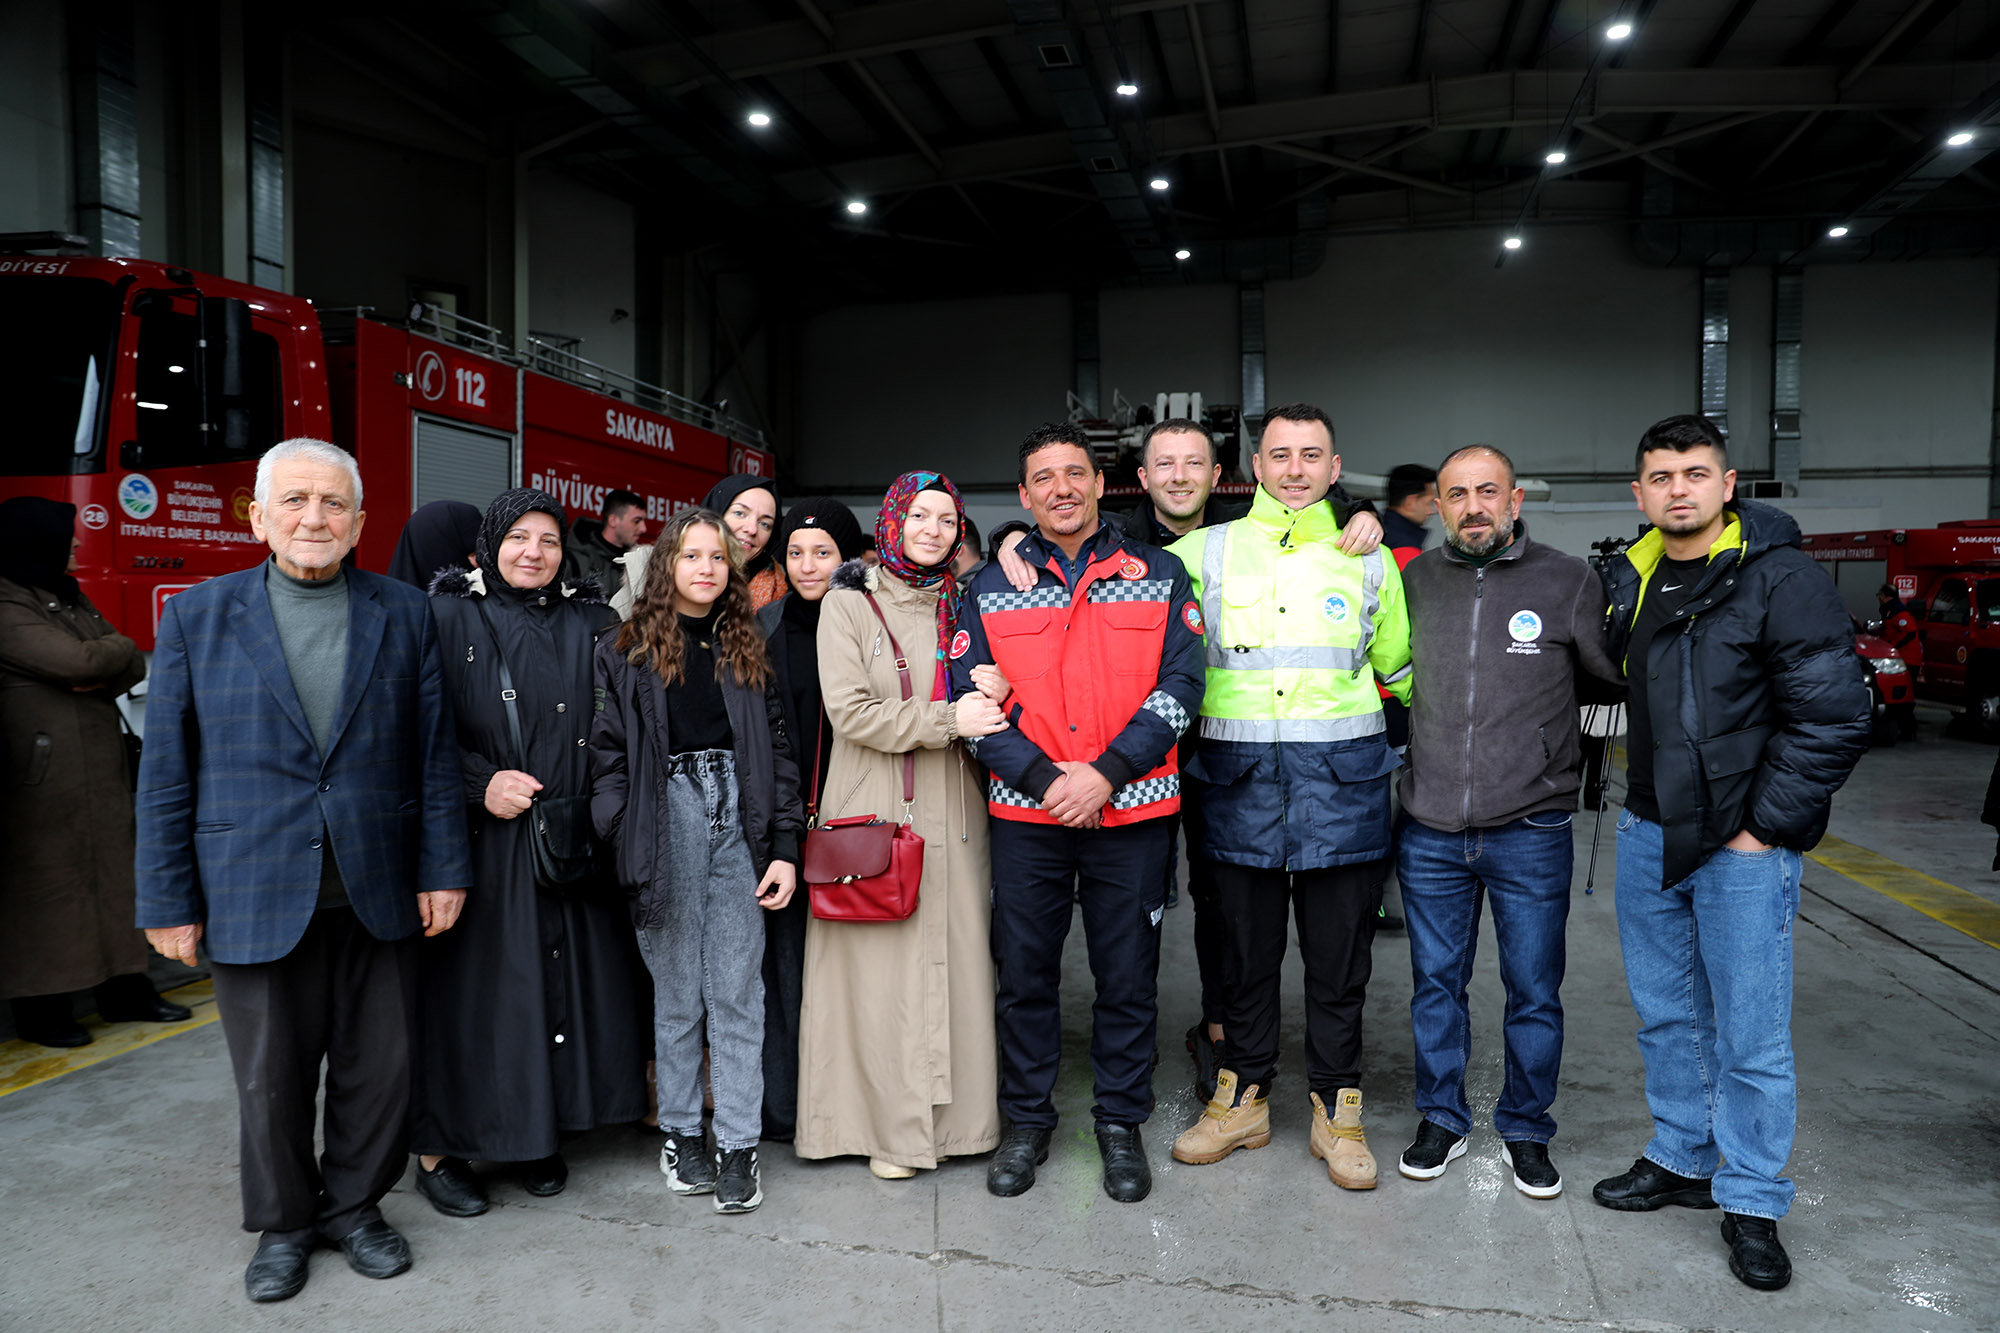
x=234 y=797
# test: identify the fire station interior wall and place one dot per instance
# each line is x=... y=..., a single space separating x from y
x=582 y=267
x=35 y=187
x=1417 y=345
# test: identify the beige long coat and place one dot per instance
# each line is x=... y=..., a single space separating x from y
x=897 y=1053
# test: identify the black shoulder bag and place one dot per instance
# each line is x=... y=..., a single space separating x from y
x=558 y=826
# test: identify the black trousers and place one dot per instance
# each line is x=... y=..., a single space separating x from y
x=346 y=998
x=1036 y=872
x=1335 y=911
x=1210 y=957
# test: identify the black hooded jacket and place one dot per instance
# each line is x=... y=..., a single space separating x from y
x=1755 y=695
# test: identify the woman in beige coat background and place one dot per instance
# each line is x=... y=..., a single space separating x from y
x=897 y=1054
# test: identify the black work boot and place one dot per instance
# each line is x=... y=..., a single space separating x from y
x=1127 y=1178
x=1012 y=1170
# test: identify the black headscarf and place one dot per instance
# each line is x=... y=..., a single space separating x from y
x=726 y=491
x=501 y=516
x=35 y=551
x=440 y=534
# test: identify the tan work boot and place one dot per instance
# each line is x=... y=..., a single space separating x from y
x=1340 y=1143
x=1228 y=1122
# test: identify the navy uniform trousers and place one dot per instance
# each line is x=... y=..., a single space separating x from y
x=1123 y=883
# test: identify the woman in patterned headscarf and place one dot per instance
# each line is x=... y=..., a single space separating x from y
x=532 y=1010
x=896 y=1048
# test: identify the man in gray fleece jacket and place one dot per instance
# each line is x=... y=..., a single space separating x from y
x=1499 y=628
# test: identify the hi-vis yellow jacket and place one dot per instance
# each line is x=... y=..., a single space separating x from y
x=1291 y=769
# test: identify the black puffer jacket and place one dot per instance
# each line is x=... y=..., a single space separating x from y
x=629 y=745
x=1757 y=702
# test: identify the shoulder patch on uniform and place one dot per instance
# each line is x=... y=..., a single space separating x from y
x=1191 y=614
x=959 y=643
x=1132 y=567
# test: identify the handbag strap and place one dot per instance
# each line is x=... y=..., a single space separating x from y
x=902 y=674
x=507 y=691
x=812 y=792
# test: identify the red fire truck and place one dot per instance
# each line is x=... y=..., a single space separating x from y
x=1949 y=579
x=144 y=394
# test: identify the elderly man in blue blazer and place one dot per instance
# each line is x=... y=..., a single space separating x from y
x=301 y=810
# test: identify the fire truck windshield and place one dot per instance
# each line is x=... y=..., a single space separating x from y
x=57 y=337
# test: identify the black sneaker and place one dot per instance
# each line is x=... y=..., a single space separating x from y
x=1435 y=1149
x=1534 y=1174
x=1755 y=1254
x=685 y=1162
x=738 y=1188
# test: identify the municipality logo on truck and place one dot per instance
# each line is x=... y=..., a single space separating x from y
x=137 y=495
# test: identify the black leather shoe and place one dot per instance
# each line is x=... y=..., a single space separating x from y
x=1127 y=1178
x=151 y=1010
x=1755 y=1255
x=376 y=1249
x=1647 y=1186
x=545 y=1177
x=277 y=1272
x=62 y=1036
x=452 y=1187
x=1012 y=1170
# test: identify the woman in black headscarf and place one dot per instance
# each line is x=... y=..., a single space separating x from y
x=66 y=812
x=818 y=537
x=441 y=533
x=749 y=509
x=532 y=1010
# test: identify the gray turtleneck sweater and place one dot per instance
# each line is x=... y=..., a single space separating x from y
x=312 y=629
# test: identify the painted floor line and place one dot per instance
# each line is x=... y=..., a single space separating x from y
x=24 y=1064
x=1955 y=907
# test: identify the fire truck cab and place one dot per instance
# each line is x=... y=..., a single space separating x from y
x=1949 y=579
x=144 y=394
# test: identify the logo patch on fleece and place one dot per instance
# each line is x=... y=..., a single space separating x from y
x=1525 y=627
x=959 y=643
x=1192 y=615
x=1132 y=567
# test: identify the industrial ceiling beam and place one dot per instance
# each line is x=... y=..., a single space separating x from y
x=1475 y=101
x=1931 y=166
x=857 y=34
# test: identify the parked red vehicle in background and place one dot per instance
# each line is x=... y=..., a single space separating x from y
x=1947 y=582
x=144 y=394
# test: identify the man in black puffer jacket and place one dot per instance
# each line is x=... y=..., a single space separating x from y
x=1748 y=712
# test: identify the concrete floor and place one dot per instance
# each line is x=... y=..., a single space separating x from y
x=118 y=1203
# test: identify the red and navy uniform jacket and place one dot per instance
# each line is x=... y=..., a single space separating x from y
x=1107 y=673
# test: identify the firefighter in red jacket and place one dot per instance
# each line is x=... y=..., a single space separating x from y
x=1104 y=660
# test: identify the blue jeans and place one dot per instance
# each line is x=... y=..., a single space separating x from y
x=1523 y=870
x=1709 y=964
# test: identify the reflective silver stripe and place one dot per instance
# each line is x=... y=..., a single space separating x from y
x=1264 y=730
x=1211 y=589
x=1395 y=676
x=1286 y=657
x=1371 y=595
x=1168 y=709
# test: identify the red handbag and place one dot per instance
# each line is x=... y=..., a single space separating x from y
x=865 y=868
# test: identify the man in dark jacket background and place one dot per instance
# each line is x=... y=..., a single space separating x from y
x=1501 y=629
x=595 y=545
x=1412 y=499
x=1727 y=789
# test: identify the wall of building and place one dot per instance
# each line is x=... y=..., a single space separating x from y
x=34 y=119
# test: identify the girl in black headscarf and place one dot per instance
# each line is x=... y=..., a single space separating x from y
x=66 y=797
x=532 y=1010
x=818 y=537
x=749 y=509
x=440 y=534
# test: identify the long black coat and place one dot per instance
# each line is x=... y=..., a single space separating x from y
x=533 y=1007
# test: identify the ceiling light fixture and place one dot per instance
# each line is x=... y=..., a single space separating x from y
x=1158 y=182
x=1555 y=157
x=759 y=119
x=1128 y=90
x=856 y=207
x=1836 y=232
x=1618 y=32
x=1183 y=253
x=1512 y=243
x=1960 y=140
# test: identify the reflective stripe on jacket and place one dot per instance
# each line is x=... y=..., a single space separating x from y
x=1107 y=673
x=1292 y=758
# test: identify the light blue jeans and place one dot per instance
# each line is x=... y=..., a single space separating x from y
x=1709 y=965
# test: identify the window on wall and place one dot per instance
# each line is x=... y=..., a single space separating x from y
x=173 y=428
